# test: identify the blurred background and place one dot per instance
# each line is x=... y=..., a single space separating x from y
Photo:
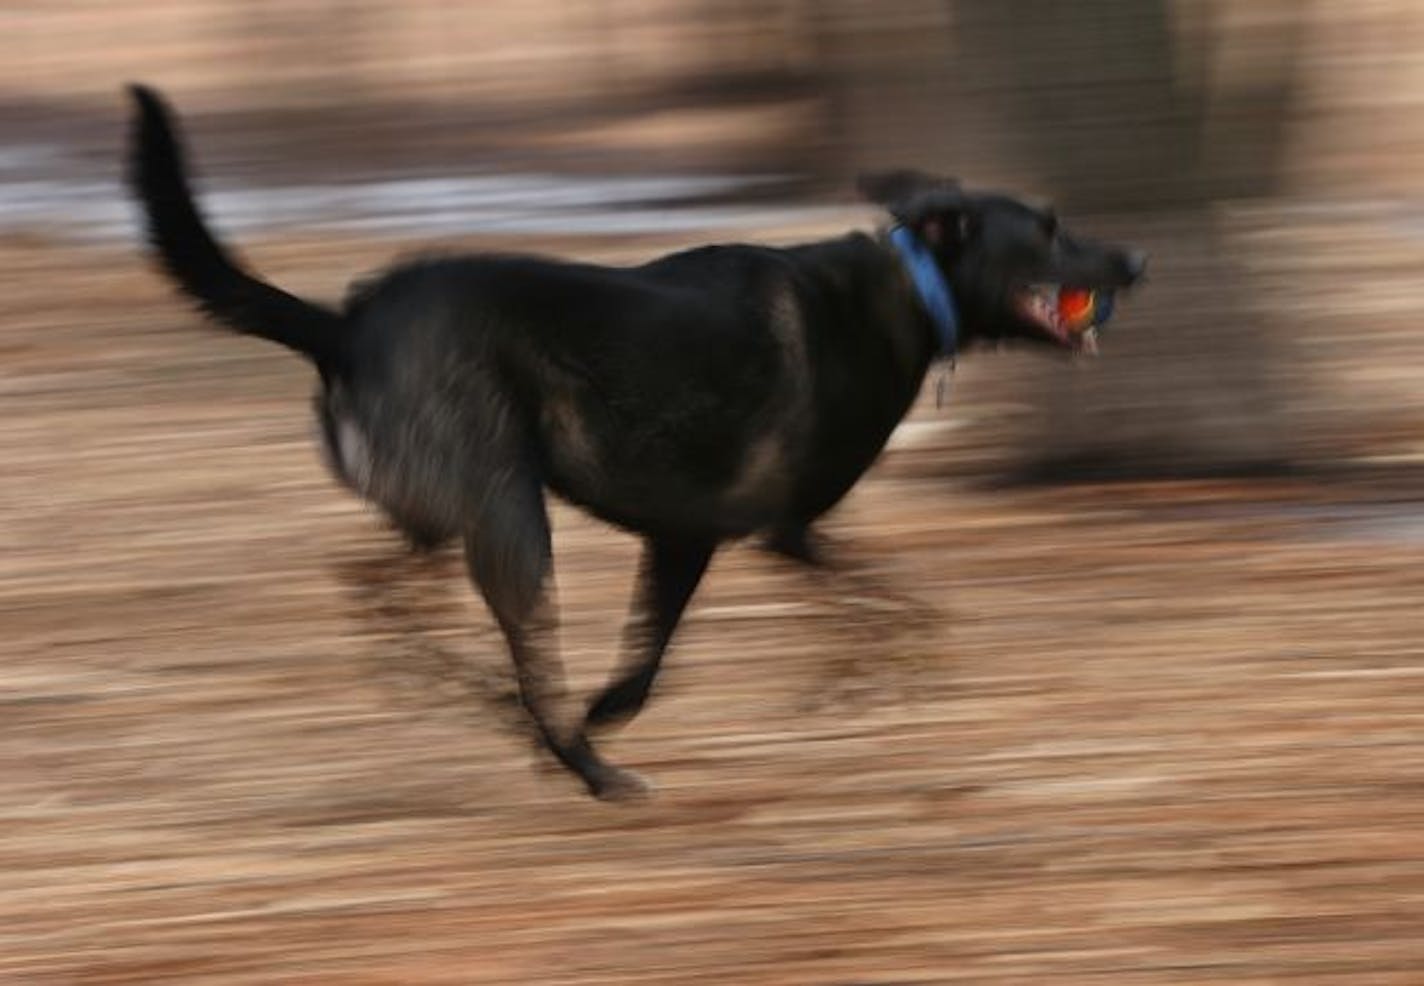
x=1163 y=728
x=1238 y=141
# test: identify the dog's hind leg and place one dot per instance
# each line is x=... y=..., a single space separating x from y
x=668 y=575
x=507 y=549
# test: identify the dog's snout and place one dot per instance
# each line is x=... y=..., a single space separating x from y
x=1134 y=264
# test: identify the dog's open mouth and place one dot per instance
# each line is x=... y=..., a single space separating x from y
x=1069 y=316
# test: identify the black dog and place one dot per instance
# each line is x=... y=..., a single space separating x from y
x=704 y=396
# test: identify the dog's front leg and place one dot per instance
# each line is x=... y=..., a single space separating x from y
x=855 y=583
x=799 y=544
x=885 y=639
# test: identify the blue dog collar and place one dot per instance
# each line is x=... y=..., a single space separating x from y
x=1103 y=302
x=931 y=286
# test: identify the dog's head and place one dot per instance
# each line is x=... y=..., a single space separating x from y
x=1015 y=273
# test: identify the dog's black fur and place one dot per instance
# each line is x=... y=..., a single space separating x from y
x=704 y=396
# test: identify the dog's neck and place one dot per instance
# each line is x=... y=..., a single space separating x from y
x=870 y=315
x=930 y=286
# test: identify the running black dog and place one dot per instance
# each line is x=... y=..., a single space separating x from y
x=704 y=396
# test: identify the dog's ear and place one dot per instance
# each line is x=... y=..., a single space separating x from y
x=933 y=206
x=900 y=185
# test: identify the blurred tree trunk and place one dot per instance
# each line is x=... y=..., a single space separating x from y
x=1117 y=110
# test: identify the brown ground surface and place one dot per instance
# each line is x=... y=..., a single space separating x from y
x=1155 y=733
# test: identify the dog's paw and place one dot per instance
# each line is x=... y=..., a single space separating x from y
x=620 y=784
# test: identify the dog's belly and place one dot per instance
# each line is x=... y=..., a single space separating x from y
x=664 y=504
x=666 y=470
x=656 y=497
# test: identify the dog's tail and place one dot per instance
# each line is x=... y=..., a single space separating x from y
x=194 y=258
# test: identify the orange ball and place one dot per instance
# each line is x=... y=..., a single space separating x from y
x=1075 y=306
